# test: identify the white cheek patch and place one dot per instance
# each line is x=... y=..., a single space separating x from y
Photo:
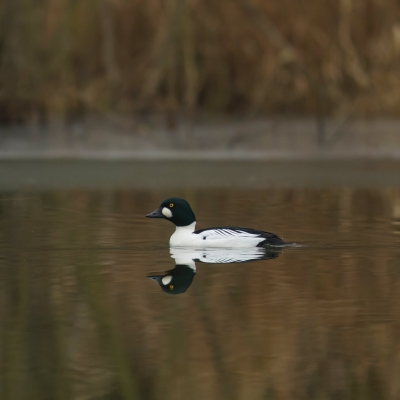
x=166 y=212
x=167 y=279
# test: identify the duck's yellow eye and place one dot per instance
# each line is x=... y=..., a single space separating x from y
x=171 y=205
x=171 y=287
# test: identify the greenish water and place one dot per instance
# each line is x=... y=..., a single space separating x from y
x=194 y=171
x=80 y=320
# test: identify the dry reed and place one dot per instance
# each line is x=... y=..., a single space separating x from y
x=67 y=57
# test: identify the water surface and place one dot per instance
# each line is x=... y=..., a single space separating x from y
x=80 y=320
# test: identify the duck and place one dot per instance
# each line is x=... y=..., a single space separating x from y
x=179 y=212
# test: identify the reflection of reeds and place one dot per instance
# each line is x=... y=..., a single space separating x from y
x=15 y=343
x=94 y=289
x=179 y=55
x=396 y=211
x=226 y=382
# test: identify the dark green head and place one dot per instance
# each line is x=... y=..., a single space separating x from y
x=176 y=210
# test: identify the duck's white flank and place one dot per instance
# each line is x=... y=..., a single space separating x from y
x=184 y=237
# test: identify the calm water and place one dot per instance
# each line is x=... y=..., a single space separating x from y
x=80 y=320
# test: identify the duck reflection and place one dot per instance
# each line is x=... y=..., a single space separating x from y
x=178 y=280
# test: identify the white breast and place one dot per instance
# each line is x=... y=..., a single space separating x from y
x=183 y=236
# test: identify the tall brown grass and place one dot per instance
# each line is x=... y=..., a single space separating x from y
x=68 y=57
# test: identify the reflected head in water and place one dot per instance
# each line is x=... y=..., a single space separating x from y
x=178 y=280
x=179 y=212
x=175 y=281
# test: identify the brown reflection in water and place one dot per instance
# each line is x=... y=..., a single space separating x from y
x=81 y=321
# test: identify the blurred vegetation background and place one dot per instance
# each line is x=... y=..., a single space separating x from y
x=69 y=58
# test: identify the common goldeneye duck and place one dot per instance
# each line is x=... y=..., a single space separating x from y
x=179 y=212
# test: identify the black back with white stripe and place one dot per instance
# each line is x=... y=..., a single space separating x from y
x=270 y=239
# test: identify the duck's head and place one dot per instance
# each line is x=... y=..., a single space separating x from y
x=176 y=210
x=175 y=281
